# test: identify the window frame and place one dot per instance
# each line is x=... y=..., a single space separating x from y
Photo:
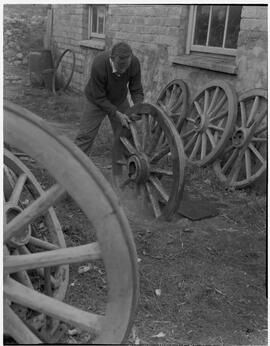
x=190 y=47
x=92 y=34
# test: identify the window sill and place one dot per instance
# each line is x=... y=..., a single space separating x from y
x=219 y=63
x=93 y=43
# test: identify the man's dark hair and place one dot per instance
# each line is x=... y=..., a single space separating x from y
x=121 y=49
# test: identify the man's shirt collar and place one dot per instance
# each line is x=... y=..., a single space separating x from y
x=113 y=67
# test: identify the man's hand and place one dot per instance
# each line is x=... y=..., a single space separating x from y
x=123 y=119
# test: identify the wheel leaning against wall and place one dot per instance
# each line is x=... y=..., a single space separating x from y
x=209 y=122
x=244 y=159
x=56 y=69
x=76 y=175
x=173 y=100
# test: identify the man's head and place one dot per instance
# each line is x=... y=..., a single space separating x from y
x=121 y=56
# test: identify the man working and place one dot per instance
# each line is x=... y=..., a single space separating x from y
x=106 y=92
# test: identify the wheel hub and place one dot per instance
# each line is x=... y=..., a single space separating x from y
x=138 y=168
x=200 y=123
x=239 y=138
x=11 y=211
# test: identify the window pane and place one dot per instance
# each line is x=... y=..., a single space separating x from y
x=94 y=19
x=217 y=26
x=233 y=26
x=101 y=19
x=201 y=24
x=100 y=25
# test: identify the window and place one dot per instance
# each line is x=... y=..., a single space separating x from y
x=96 y=23
x=214 y=29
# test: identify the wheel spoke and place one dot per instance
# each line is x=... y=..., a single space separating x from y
x=260 y=130
x=206 y=101
x=211 y=138
x=236 y=167
x=23 y=278
x=23 y=250
x=259 y=139
x=191 y=120
x=191 y=141
x=204 y=145
x=16 y=193
x=257 y=153
x=159 y=155
x=219 y=104
x=145 y=130
x=121 y=162
x=42 y=244
x=54 y=308
x=216 y=128
x=247 y=163
x=243 y=114
x=253 y=110
x=15 y=327
x=218 y=116
x=155 y=140
x=217 y=133
x=154 y=202
x=125 y=183
x=196 y=147
x=135 y=137
x=162 y=171
x=198 y=107
x=214 y=99
x=37 y=208
x=187 y=134
x=130 y=148
x=229 y=161
x=52 y=258
x=159 y=188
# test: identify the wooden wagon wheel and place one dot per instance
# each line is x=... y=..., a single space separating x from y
x=57 y=68
x=209 y=123
x=150 y=160
x=20 y=190
x=173 y=100
x=244 y=160
x=75 y=174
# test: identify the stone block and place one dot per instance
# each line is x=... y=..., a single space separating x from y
x=253 y=24
x=249 y=11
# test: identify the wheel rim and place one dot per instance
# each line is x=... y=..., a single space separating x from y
x=84 y=183
x=173 y=100
x=149 y=159
x=209 y=123
x=21 y=188
x=57 y=66
x=244 y=160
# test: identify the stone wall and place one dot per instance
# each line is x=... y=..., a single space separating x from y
x=252 y=49
x=67 y=30
x=157 y=33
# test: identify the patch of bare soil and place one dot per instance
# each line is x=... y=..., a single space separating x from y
x=201 y=282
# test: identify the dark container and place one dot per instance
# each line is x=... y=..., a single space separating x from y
x=38 y=62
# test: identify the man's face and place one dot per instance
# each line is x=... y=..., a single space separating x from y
x=121 y=62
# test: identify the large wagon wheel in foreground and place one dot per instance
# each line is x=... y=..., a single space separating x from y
x=149 y=159
x=76 y=175
x=209 y=123
x=173 y=99
x=244 y=160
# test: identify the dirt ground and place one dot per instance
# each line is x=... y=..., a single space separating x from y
x=201 y=282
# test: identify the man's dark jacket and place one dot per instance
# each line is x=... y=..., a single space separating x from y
x=107 y=89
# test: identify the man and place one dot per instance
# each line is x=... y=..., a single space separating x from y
x=112 y=74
